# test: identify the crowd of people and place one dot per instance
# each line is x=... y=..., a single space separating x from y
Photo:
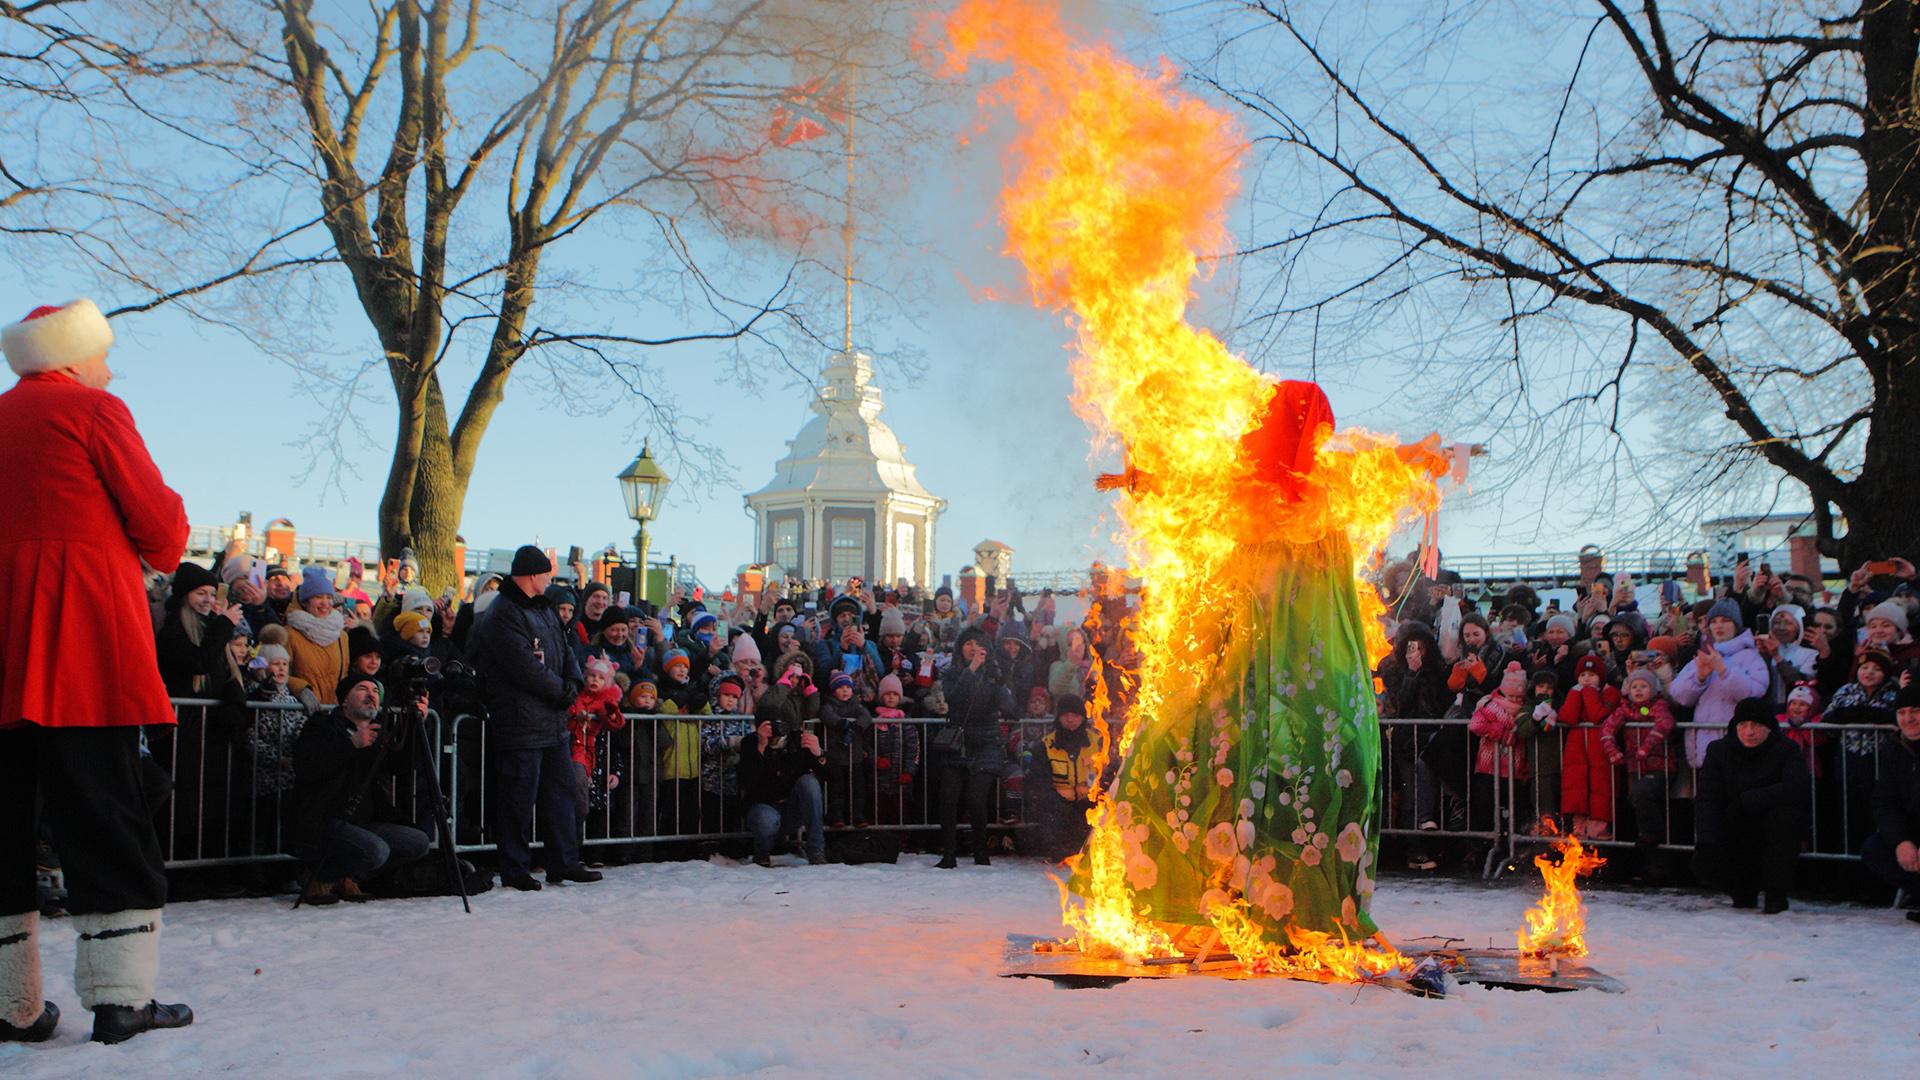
x=1749 y=725
x=1765 y=719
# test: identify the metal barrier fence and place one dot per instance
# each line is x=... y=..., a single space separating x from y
x=232 y=784
x=1428 y=776
x=232 y=781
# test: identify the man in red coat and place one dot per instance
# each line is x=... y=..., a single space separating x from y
x=83 y=506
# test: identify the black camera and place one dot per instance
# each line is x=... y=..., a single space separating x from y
x=426 y=674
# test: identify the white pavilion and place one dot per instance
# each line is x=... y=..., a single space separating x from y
x=844 y=501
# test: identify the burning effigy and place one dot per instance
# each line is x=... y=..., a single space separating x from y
x=1241 y=826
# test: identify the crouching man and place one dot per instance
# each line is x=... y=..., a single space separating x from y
x=780 y=783
x=343 y=819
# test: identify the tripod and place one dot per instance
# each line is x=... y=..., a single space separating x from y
x=422 y=762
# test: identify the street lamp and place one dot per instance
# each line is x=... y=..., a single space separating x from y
x=643 y=485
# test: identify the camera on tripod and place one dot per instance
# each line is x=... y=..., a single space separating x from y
x=426 y=674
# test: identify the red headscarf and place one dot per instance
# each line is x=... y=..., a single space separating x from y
x=1282 y=448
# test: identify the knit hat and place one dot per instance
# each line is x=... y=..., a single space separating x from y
x=190 y=576
x=353 y=679
x=730 y=678
x=235 y=567
x=1643 y=675
x=599 y=664
x=416 y=599
x=314 y=581
x=272 y=634
x=1599 y=622
x=276 y=570
x=360 y=642
x=843 y=603
x=943 y=591
x=1804 y=692
x=745 y=648
x=1547 y=676
x=1755 y=710
x=1908 y=697
x=1893 y=611
x=893 y=622
x=408 y=561
x=55 y=338
x=1727 y=609
x=891 y=685
x=1563 y=621
x=1877 y=657
x=1069 y=703
x=676 y=657
x=528 y=561
x=1665 y=645
x=560 y=594
x=699 y=619
x=409 y=623
x=273 y=652
x=1514 y=680
x=1797 y=612
x=1590 y=663
x=839 y=679
x=593 y=587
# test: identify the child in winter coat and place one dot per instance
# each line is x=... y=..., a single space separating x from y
x=1645 y=751
x=1803 y=708
x=595 y=711
x=848 y=725
x=1586 y=776
x=1500 y=756
x=274 y=731
x=1535 y=730
x=896 y=749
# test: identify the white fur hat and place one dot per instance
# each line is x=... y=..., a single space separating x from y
x=53 y=338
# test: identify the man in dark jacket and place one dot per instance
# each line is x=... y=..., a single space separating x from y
x=977 y=700
x=532 y=678
x=1893 y=851
x=1752 y=809
x=779 y=776
x=342 y=818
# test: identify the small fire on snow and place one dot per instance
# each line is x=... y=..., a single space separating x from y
x=1557 y=925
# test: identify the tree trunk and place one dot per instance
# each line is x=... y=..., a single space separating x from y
x=434 y=505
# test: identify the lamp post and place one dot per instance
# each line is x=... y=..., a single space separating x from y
x=643 y=484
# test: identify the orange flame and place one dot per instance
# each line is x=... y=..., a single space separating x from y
x=1119 y=183
x=1557 y=925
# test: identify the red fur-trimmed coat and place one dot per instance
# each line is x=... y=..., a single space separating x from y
x=1642 y=750
x=590 y=716
x=83 y=505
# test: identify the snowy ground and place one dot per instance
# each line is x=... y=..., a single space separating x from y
x=712 y=969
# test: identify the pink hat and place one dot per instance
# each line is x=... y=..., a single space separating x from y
x=594 y=664
x=54 y=338
x=1513 y=681
x=891 y=685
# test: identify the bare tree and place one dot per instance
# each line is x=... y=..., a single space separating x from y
x=1607 y=218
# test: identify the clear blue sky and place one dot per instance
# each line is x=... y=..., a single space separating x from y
x=984 y=415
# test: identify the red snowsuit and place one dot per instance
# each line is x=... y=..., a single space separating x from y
x=84 y=504
x=1586 y=775
x=590 y=715
x=1642 y=750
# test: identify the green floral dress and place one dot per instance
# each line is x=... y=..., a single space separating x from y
x=1260 y=783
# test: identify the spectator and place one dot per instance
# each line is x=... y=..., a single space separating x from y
x=697 y=641
x=1637 y=734
x=1752 y=815
x=898 y=657
x=317 y=639
x=1586 y=774
x=1554 y=651
x=1535 y=730
x=238 y=572
x=1788 y=660
x=595 y=600
x=1803 y=709
x=273 y=732
x=1723 y=673
x=780 y=766
x=279 y=592
x=849 y=731
x=1068 y=675
x=1482 y=662
x=343 y=822
x=940 y=628
x=532 y=678
x=1864 y=705
x=1415 y=687
x=1886 y=630
x=1500 y=754
x=896 y=749
x=1017 y=660
x=1067 y=774
x=749 y=672
x=1893 y=851
x=192 y=643
x=1833 y=651
x=595 y=713
x=977 y=695
x=363 y=651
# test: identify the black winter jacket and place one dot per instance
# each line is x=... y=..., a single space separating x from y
x=531 y=672
x=328 y=769
x=978 y=701
x=1738 y=785
x=769 y=777
x=1896 y=794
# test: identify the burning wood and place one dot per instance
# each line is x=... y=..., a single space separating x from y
x=1557 y=925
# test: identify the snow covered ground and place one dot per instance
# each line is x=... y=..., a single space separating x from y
x=716 y=969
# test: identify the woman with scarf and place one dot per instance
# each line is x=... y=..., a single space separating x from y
x=317 y=638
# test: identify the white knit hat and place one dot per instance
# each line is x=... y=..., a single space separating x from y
x=54 y=338
x=1893 y=611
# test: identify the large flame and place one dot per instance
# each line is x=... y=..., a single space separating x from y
x=1118 y=183
x=1557 y=925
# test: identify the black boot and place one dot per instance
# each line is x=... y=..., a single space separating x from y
x=574 y=873
x=523 y=882
x=1776 y=903
x=39 y=1031
x=947 y=862
x=118 y=1023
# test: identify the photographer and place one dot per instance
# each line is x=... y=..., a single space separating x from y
x=532 y=678
x=779 y=772
x=343 y=818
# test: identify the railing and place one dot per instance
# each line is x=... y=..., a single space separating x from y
x=232 y=781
